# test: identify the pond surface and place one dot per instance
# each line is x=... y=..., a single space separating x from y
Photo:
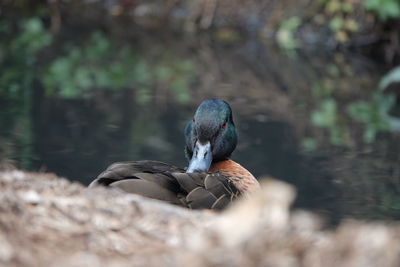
x=74 y=103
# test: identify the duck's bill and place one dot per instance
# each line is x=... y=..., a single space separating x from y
x=201 y=159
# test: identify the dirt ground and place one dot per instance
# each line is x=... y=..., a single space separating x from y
x=48 y=221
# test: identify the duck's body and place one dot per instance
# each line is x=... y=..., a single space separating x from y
x=211 y=180
x=213 y=190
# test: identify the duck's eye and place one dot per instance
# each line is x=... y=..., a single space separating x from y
x=223 y=126
x=193 y=120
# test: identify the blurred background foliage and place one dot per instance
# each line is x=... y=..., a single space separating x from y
x=100 y=64
x=312 y=83
x=384 y=9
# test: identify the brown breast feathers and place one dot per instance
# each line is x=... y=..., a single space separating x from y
x=243 y=180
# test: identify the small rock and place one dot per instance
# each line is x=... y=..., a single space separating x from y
x=6 y=250
x=31 y=197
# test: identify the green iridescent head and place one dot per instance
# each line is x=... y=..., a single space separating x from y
x=211 y=135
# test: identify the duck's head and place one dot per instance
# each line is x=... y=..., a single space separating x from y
x=210 y=136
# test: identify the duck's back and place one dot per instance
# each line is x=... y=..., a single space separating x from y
x=170 y=184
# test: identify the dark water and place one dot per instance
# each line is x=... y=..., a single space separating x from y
x=74 y=105
x=78 y=138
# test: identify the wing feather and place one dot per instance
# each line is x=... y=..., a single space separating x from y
x=165 y=182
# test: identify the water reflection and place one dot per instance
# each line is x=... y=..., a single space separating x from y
x=77 y=138
x=74 y=107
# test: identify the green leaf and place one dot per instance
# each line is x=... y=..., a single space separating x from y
x=391 y=77
x=385 y=9
x=336 y=23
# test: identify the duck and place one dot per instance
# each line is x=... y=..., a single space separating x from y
x=211 y=180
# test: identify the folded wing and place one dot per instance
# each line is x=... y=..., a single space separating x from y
x=168 y=183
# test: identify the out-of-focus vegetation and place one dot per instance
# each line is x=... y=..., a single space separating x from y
x=371 y=114
x=358 y=24
x=338 y=15
x=100 y=64
x=79 y=70
x=77 y=92
x=18 y=61
x=285 y=36
x=19 y=57
x=384 y=9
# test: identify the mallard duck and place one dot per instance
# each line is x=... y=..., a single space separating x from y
x=211 y=181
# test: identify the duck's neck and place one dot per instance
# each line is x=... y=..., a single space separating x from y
x=244 y=181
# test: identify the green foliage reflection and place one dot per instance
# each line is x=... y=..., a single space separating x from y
x=390 y=201
x=19 y=56
x=18 y=61
x=326 y=116
x=370 y=114
x=31 y=61
x=100 y=64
